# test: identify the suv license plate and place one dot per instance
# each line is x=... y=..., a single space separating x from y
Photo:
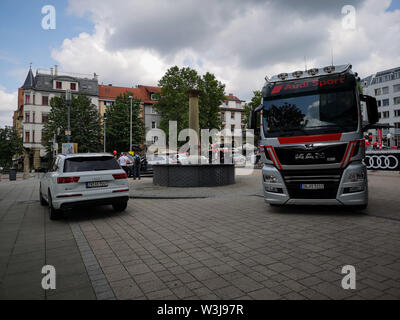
x=96 y=184
x=312 y=186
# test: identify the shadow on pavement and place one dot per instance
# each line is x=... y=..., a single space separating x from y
x=318 y=210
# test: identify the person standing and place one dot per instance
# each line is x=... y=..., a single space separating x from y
x=123 y=161
x=136 y=167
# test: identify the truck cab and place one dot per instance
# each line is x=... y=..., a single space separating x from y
x=311 y=138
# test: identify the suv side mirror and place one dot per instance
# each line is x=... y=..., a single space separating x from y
x=372 y=108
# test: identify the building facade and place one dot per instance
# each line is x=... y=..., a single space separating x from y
x=232 y=116
x=385 y=87
x=34 y=104
x=147 y=94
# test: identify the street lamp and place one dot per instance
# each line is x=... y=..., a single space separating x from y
x=68 y=101
x=130 y=131
x=104 y=140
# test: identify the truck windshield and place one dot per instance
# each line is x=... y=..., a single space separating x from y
x=309 y=114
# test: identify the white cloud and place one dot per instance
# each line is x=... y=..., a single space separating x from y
x=239 y=41
x=8 y=103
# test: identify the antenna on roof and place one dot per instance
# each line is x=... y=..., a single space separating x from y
x=332 y=56
x=305 y=63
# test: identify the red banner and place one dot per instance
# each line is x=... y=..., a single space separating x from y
x=380 y=138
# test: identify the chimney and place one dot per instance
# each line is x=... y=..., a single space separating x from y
x=52 y=71
x=56 y=70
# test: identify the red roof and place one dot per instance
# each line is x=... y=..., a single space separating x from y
x=141 y=92
x=231 y=97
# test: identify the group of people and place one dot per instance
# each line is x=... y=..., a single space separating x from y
x=134 y=169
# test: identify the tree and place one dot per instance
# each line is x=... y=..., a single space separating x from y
x=174 y=101
x=118 y=124
x=254 y=103
x=10 y=144
x=86 y=129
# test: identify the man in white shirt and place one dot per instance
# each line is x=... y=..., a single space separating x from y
x=123 y=161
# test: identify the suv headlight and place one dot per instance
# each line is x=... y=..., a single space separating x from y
x=270 y=179
x=355 y=176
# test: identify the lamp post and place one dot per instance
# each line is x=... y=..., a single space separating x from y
x=68 y=101
x=104 y=140
x=130 y=130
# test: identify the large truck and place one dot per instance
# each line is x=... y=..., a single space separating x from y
x=311 y=137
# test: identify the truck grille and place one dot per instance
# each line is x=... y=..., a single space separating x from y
x=318 y=155
x=329 y=178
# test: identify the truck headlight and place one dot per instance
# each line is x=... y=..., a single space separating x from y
x=270 y=179
x=355 y=176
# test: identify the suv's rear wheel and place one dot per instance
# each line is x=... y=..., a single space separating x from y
x=120 y=206
x=54 y=214
x=42 y=200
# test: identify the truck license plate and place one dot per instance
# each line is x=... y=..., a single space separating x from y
x=312 y=186
x=96 y=184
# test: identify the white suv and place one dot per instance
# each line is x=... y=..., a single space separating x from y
x=83 y=179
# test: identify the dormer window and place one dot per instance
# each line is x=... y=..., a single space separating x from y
x=27 y=99
x=154 y=97
x=58 y=85
x=73 y=86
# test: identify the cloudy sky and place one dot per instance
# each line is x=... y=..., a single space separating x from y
x=130 y=42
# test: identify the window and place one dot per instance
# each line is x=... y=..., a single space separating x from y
x=232 y=127
x=33 y=136
x=396 y=88
x=385 y=90
x=44 y=117
x=154 y=97
x=108 y=103
x=81 y=164
x=379 y=115
x=232 y=116
x=385 y=102
x=58 y=84
x=385 y=114
x=155 y=139
x=397 y=113
x=27 y=117
x=153 y=110
x=27 y=136
x=45 y=100
x=33 y=116
x=378 y=91
x=73 y=86
x=34 y=99
x=27 y=99
x=396 y=100
x=153 y=124
x=378 y=103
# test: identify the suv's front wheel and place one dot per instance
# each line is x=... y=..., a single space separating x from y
x=120 y=206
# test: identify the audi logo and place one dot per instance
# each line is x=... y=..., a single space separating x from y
x=381 y=162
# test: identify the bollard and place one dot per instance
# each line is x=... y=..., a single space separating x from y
x=12 y=174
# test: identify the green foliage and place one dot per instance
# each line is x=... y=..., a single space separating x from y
x=118 y=124
x=86 y=128
x=254 y=103
x=10 y=144
x=174 y=101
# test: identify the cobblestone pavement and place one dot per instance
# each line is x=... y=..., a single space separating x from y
x=225 y=244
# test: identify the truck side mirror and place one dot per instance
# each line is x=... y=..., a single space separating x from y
x=372 y=109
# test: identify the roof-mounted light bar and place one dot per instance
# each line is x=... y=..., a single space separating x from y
x=313 y=71
x=309 y=73
x=329 y=69
x=297 y=74
x=283 y=76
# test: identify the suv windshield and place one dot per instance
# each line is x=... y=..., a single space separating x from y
x=314 y=113
x=79 y=164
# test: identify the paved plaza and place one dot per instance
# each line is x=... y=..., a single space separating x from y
x=203 y=243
